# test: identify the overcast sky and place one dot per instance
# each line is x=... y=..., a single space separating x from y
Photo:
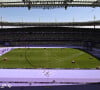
x=50 y=15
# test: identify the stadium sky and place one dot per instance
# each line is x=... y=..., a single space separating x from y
x=50 y=15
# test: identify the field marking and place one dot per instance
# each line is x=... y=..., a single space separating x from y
x=5 y=50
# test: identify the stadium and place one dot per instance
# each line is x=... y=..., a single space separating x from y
x=38 y=56
x=61 y=45
x=49 y=55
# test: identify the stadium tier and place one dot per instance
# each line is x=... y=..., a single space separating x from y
x=49 y=36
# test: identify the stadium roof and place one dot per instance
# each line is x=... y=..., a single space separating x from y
x=90 y=23
x=49 y=3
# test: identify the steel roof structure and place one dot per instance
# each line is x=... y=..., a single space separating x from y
x=47 y=4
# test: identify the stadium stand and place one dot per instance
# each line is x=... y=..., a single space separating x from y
x=87 y=37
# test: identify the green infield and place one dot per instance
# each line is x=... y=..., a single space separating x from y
x=48 y=58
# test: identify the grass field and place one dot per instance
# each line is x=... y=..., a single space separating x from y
x=48 y=58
